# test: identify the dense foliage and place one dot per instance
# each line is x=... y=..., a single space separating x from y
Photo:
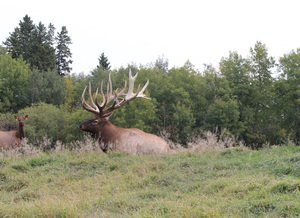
x=243 y=96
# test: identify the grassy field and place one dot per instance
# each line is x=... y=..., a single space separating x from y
x=218 y=183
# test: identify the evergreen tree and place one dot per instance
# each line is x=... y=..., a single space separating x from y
x=43 y=56
x=20 y=41
x=63 y=52
x=51 y=32
x=13 y=43
x=26 y=36
x=34 y=43
x=103 y=62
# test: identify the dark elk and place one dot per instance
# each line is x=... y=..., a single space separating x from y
x=110 y=137
x=11 y=139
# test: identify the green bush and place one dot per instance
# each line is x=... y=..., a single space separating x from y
x=74 y=120
x=45 y=121
x=51 y=122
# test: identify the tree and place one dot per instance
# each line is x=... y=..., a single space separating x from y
x=162 y=64
x=225 y=115
x=46 y=87
x=287 y=89
x=184 y=121
x=63 y=52
x=20 y=42
x=262 y=81
x=69 y=99
x=99 y=75
x=43 y=56
x=103 y=62
x=33 y=43
x=140 y=114
x=14 y=76
x=176 y=107
x=13 y=44
x=260 y=66
x=236 y=71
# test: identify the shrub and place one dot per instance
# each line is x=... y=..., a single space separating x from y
x=49 y=121
x=45 y=120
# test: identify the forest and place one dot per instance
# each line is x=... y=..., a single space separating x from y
x=253 y=99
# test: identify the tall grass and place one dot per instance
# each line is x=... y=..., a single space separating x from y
x=192 y=182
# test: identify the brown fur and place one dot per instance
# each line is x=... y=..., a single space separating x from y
x=131 y=141
x=11 y=139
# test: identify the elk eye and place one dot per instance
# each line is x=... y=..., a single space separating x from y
x=95 y=122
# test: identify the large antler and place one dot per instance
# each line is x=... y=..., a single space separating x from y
x=119 y=99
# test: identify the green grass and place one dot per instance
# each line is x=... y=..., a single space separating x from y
x=226 y=183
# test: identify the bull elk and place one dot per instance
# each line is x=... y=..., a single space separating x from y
x=10 y=139
x=110 y=137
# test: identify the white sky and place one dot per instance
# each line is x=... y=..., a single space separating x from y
x=139 y=31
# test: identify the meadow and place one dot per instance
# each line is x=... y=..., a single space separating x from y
x=232 y=182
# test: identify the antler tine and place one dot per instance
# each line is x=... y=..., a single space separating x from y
x=141 y=93
x=127 y=100
x=131 y=84
x=96 y=100
x=122 y=92
x=110 y=87
x=103 y=98
x=86 y=105
x=91 y=98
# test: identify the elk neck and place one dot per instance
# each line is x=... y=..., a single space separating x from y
x=21 y=132
x=109 y=133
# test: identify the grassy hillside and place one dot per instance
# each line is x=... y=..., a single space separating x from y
x=225 y=183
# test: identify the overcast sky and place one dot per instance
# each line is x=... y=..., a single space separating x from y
x=139 y=31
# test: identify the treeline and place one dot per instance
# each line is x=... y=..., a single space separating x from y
x=254 y=99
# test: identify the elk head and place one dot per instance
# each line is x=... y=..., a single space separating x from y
x=21 y=121
x=118 y=99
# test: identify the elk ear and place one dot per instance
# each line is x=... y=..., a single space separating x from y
x=26 y=117
x=16 y=118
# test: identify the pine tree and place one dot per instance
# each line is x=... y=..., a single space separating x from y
x=26 y=36
x=34 y=43
x=103 y=62
x=43 y=56
x=20 y=41
x=63 y=53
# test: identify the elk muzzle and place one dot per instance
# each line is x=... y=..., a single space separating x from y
x=87 y=126
x=81 y=127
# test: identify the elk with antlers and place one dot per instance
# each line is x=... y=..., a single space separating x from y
x=11 y=139
x=131 y=141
